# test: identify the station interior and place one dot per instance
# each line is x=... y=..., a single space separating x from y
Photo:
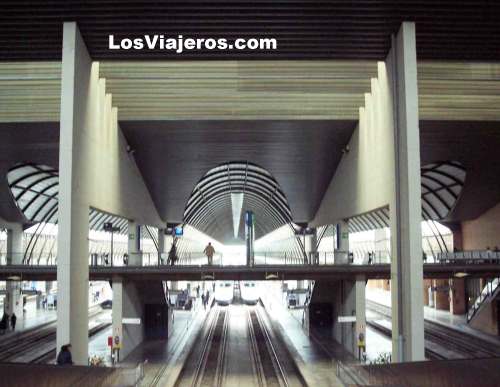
x=326 y=213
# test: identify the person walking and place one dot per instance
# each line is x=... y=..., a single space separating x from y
x=64 y=357
x=172 y=255
x=204 y=301
x=209 y=252
x=13 y=320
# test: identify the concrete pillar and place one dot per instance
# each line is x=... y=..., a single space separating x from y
x=13 y=301
x=350 y=302
x=425 y=292
x=310 y=246
x=127 y=303
x=134 y=244
x=441 y=294
x=15 y=248
x=360 y=289
x=457 y=296
x=73 y=213
x=161 y=243
x=343 y=235
x=405 y=204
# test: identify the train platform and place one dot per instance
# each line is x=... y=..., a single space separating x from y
x=316 y=354
x=443 y=317
x=33 y=317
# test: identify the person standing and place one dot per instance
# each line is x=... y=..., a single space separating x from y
x=172 y=255
x=209 y=252
x=204 y=301
x=13 y=320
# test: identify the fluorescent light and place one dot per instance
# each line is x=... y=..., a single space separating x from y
x=237 y=207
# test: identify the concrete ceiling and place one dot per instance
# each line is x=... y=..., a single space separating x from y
x=251 y=90
x=301 y=155
x=335 y=29
x=174 y=155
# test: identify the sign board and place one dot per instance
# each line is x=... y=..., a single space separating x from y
x=110 y=341
x=131 y=320
x=345 y=319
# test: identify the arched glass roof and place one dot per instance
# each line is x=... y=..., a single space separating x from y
x=211 y=206
x=35 y=189
x=441 y=185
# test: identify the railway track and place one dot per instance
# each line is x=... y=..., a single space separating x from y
x=266 y=363
x=38 y=345
x=441 y=342
x=210 y=360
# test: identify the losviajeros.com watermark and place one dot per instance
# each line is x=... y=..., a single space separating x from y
x=180 y=44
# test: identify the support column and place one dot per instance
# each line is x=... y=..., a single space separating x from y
x=13 y=301
x=343 y=236
x=310 y=245
x=15 y=248
x=341 y=252
x=117 y=310
x=134 y=244
x=457 y=285
x=441 y=294
x=360 y=289
x=161 y=243
x=405 y=205
x=73 y=212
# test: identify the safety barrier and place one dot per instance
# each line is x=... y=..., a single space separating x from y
x=470 y=256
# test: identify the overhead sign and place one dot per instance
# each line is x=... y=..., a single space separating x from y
x=345 y=319
x=131 y=320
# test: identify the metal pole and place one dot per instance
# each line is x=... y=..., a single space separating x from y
x=111 y=247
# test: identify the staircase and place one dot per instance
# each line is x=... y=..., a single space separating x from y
x=489 y=293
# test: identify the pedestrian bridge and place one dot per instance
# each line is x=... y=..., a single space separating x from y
x=257 y=272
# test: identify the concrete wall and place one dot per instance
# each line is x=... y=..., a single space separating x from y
x=483 y=232
x=109 y=178
x=364 y=179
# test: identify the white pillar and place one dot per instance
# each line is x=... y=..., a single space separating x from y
x=73 y=213
x=134 y=244
x=15 y=248
x=117 y=310
x=127 y=303
x=343 y=235
x=13 y=301
x=360 y=307
x=310 y=246
x=161 y=243
x=405 y=206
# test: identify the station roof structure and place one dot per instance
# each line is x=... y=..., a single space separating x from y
x=291 y=111
x=305 y=29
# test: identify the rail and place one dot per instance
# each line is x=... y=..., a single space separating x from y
x=470 y=256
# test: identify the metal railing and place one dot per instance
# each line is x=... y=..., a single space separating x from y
x=469 y=256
